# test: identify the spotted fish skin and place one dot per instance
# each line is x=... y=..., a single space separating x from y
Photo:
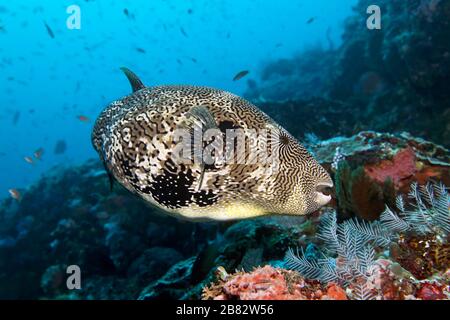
x=134 y=136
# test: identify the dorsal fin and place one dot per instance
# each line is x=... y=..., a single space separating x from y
x=136 y=83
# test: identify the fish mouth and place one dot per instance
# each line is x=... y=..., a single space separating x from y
x=323 y=193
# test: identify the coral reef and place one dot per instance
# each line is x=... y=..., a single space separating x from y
x=126 y=251
x=269 y=283
x=388 y=281
x=384 y=235
x=420 y=244
x=375 y=167
x=71 y=217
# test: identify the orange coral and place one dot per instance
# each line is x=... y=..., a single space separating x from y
x=440 y=173
x=335 y=292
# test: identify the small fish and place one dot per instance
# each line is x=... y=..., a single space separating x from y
x=128 y=14
x=38 y=153
x=60 y=147
x=28 y=159
x=15 y=194
x=16 y=117
x=310 y=20
x=183 y=32
x=140 y=50
x=240 y=75
x=83 y=118
x=49 y=30
x=135 y=138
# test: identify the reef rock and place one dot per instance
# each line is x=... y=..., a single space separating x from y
x=269 y=283
x=393 y=79
x=370 y=169
x=125 y=251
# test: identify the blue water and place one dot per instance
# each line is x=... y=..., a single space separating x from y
x=51 y=81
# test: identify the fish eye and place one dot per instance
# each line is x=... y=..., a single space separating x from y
x=284 y=140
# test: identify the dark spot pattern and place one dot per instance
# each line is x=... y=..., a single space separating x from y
x=174 y=191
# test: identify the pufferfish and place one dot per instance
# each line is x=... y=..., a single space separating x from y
x=135 y=139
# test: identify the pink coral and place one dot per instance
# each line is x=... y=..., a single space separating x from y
x=269 y=283
x=265 y=283
x=402 y=166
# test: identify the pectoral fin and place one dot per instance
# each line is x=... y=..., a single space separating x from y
x=200 y=117
x=198 y=120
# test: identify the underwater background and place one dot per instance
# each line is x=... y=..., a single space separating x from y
x=49 y=81
x=373 y=106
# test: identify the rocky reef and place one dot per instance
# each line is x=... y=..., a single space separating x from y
x=387 y=80
x=269 y=283
x=71 y=217
x=127 y=251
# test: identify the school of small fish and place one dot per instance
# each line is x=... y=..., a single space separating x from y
x=61 y=145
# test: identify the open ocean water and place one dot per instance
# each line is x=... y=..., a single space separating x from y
x=47 y=82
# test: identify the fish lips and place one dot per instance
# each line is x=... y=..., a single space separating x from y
x=322 y=195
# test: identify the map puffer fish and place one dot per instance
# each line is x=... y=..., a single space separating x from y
x=135 y=139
